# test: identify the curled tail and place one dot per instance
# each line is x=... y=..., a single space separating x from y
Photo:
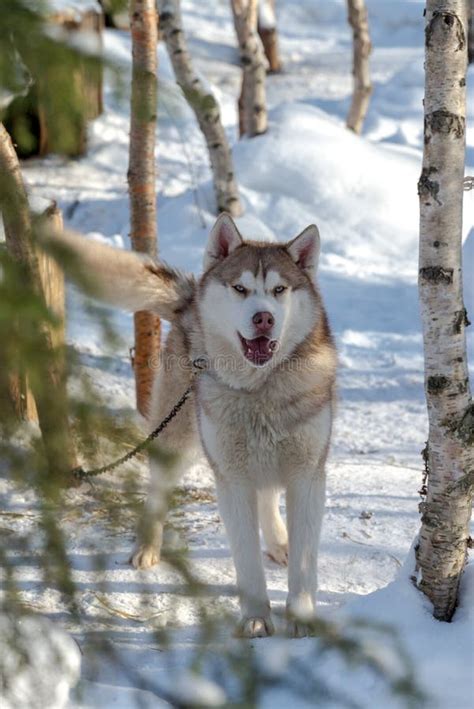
x=121 y=278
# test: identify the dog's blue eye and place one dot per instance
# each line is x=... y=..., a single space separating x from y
x=239 y=288
x=279 y=289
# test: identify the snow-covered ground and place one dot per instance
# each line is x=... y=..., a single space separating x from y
x=361 y=191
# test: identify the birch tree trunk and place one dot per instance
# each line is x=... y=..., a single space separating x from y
x=267 y=29
x=49 y=389
x=141 y=181
x=470 y=40
x=359 y=21
x=205 y=107
x=442 y=547
x=252 y=101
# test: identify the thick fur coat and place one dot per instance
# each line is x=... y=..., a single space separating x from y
x=262 y=410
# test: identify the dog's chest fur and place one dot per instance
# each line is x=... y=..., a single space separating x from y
x=262 y=435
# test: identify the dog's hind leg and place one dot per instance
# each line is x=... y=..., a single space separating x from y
x=272 y=525
x=163 y=479
x=172 y=448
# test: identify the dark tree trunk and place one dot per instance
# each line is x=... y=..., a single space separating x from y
x=267 y=29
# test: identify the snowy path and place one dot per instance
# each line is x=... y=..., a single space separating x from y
x=362 y=194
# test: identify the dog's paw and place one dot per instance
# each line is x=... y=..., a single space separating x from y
x=298 y=628
x=254 y=628
x=144 y=557
x=301 y=619
x=278 y=553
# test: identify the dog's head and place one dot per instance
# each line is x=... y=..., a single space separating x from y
x=258 y=301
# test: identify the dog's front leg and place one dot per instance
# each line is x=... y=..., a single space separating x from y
x=305 y=509
x=238 y=507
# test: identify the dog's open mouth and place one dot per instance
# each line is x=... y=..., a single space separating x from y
x=259 y=350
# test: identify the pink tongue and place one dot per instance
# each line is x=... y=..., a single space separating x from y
x=260 y=346
x=259 y=350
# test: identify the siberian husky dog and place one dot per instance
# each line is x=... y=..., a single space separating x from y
x=262 y=408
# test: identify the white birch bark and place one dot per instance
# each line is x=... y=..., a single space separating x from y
x=252 y=102
x=470 y=41
x=359 y=21
x=205 y=107
x=443 y=540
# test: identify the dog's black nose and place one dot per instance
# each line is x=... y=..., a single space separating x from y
x=263 y=321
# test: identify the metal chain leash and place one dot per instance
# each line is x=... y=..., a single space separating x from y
x=79 y=473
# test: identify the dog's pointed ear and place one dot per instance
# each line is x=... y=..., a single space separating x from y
x=304 y=249
x=223 y=239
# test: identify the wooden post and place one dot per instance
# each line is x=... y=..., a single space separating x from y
x=267 y=29
x=52 y=280
x=48 y=383
x=141 y=182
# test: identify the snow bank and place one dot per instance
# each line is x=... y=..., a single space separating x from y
x=437 y=651
x=362 y=195
x=39 y=663
x=74 y=6
x=195 y=690
x=394 y=627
